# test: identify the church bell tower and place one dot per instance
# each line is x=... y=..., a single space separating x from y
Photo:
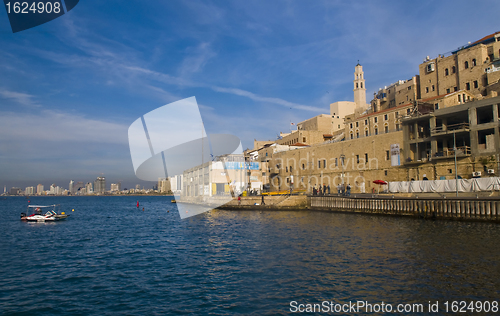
x=359 y=87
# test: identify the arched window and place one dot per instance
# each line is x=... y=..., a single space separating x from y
x=361 y=85
x=453 y=69
x=356 y=85
x=466 y=64
x=446 y=72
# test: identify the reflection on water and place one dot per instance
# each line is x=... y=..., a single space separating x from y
x=110 y=257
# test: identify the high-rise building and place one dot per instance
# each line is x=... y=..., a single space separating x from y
x=71 y=187
x=88 y=188
x=29 y=191
x=39 y=189
x=100 y=185
x=52 y=189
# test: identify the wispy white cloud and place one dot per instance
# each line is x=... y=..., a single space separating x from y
x=195 y=59
x=49 y=125
x=18 y=97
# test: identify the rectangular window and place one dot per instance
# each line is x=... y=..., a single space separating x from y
x=426 y=89
x=436 y=106
x=350 y=125
x=476 y=85
x=376 y=131
x=366 y=122
x=385 y=117
x=467 y=85
x=375 y=119
x=448 y=90
x=433 y=88
x=357 y=124
x=455 y=89
x=387 y=155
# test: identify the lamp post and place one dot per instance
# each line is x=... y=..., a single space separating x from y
x=455 y=151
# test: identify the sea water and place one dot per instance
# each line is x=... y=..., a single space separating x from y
x=110 y=258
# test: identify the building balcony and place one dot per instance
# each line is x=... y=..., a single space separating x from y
x=410 y=161
x=463 y=151
x=450 y=129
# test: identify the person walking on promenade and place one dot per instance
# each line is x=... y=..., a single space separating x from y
x=263 y=203
x=348 y=190
x=324 y=189
x=239 y=200
x=328 y=188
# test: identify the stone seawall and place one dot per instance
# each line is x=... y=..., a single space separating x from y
x=454 y=209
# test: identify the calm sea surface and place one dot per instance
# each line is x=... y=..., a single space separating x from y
x=110 y=258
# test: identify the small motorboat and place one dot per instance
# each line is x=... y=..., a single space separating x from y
x=43 y=213
x=173 y=201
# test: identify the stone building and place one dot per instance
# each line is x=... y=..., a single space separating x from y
x=468 y=68
x=468 y=131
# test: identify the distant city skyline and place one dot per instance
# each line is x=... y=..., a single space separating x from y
x=69 y=89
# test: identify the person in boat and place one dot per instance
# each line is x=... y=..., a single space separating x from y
x=38 y=211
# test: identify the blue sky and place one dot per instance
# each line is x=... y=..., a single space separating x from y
x=70 y=88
